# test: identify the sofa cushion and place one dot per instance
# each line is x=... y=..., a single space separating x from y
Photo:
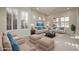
x=45 y=41
x=20 y=41
x=15 y=46
x=18 y=37
x=6 y=44
x=36 y=37
x=1 y=46
x=26 y=46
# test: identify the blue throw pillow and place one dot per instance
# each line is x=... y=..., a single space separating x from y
x=13 y=42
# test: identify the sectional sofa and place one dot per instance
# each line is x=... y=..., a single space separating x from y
x=5 y=44
x=42 y=41
x=19 y=43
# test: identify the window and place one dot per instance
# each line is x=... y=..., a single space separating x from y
x=67 y=22
x=24 y=19
x=12 y=16
x=64 y=22
x=9 y=11
x=67 y=19
x=56 y=22
x=61 y=22
x=57 y=19
x=62 y=19
x=15 y=18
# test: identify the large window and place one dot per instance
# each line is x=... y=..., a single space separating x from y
x=64 y=22
x=56 y=22
x=24 y=20
x=9 y=15
x=12 y=17
x=61 y=22
x=15 y=18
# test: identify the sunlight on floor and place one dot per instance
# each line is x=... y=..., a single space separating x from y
x=72 y=44
x=74 y=37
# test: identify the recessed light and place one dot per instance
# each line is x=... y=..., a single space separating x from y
x=68 y=8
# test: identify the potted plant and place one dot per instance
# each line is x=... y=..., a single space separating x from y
x=73 y=28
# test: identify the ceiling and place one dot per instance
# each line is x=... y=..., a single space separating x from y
x=51 y=10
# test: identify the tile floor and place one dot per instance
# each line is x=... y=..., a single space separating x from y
x=63 y=42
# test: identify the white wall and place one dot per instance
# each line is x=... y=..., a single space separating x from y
x=2 y=19
x=19 y=31
x=77 y=22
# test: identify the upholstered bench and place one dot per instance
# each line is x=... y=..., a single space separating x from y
x=45 y=43
x=35 y=37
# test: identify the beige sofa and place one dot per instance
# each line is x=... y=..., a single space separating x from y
x=4 y=43
x=1 y=45
x=23 y=44
x=45 y=43
x=35 y=37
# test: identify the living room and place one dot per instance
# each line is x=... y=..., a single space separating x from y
x=32 y=27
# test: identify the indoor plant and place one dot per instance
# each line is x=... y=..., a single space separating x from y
x=73 y=28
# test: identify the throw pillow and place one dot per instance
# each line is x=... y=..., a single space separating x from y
x=15 y=46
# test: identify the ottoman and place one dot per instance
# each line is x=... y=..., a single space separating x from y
x=45 y=43
x=35 y=37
